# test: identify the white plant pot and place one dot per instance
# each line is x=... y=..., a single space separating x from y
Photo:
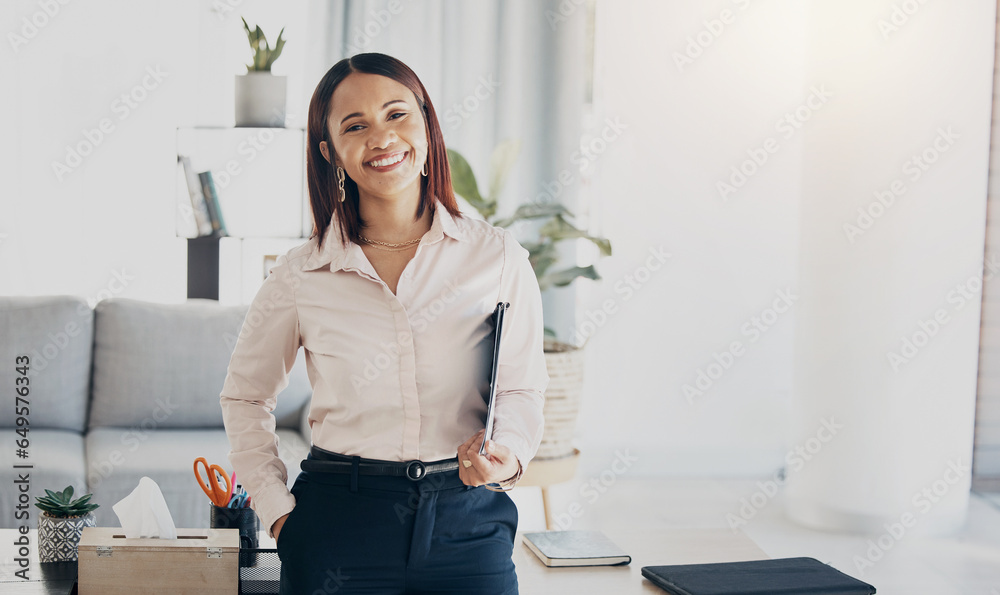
x=58 y=538
x=260 y=99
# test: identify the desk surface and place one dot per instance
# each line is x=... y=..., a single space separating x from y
x=656 y=547
x=51 y=578
x=647 y=548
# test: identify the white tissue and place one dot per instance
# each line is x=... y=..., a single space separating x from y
x=144 y=513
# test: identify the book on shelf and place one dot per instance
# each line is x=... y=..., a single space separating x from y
x=199 y=207
x=575 y=548
x=212 y=200
x=788 y=576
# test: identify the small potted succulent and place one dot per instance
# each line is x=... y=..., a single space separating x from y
x=61 y=524
x=564 y=360
x=260 y=95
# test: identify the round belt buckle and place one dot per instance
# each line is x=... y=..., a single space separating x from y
x=415 y=470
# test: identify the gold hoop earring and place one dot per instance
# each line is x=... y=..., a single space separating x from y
x=340 y=183
x=423 y=171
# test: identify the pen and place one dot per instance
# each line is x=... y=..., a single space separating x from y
x=240 y=498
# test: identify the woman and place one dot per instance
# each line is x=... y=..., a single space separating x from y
x=391 y=299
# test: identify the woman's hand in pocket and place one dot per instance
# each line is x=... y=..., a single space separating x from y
x=276 y=527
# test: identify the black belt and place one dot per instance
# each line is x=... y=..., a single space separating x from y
x=412 y=470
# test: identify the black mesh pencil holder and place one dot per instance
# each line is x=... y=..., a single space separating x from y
x=264 y=575
x=244 y=519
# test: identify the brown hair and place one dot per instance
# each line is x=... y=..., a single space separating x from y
x=323 y=194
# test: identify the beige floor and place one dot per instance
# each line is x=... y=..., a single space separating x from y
x=964 y=564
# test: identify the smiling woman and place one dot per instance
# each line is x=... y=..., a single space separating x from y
x=393 y=496
x=363 y=107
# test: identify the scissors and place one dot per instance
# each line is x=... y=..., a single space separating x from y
x=212 y=489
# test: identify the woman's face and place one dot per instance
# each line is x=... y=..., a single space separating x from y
x=378 y=134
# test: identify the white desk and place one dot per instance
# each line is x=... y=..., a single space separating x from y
x=656 y=547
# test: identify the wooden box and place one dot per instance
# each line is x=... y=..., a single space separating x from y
x=198 y=561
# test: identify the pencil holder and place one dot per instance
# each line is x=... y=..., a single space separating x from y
x=244 y=519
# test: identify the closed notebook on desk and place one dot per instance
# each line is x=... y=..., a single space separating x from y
x=783 y=576
x=575 y=548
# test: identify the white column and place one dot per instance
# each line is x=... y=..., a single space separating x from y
x=891 y=257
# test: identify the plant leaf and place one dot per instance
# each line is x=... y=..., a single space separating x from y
x=559 y=229
x=81 y=501
x=502 y=159
x=67 y=494
x=541 y=255
x=464 y=182
x=533 y=211
x=567 y=276
x=276 y=50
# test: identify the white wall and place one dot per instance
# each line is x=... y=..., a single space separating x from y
x=112 y=218
x=886 y=342
x=865 y=103
x=731 y=255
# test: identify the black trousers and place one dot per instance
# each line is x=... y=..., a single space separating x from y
x=352 y=533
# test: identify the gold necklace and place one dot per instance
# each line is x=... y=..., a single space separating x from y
x=388 y=245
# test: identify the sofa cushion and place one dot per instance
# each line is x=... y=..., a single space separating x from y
x=56 y=333
x=117 y=459
x=164 y=365
x=57 y=461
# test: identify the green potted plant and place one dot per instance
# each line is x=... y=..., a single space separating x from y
x=260 y=95
x=563 y=359
x=61 y=524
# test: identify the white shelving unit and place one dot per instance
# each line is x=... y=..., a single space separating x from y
x=259 y=175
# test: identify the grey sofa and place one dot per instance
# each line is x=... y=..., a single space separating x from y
x=125 y=389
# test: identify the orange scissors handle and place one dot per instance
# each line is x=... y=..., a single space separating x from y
x=212 y=489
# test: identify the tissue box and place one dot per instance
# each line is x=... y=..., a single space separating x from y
x=198 y=561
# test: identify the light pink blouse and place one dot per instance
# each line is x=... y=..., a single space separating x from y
x=395 y=377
